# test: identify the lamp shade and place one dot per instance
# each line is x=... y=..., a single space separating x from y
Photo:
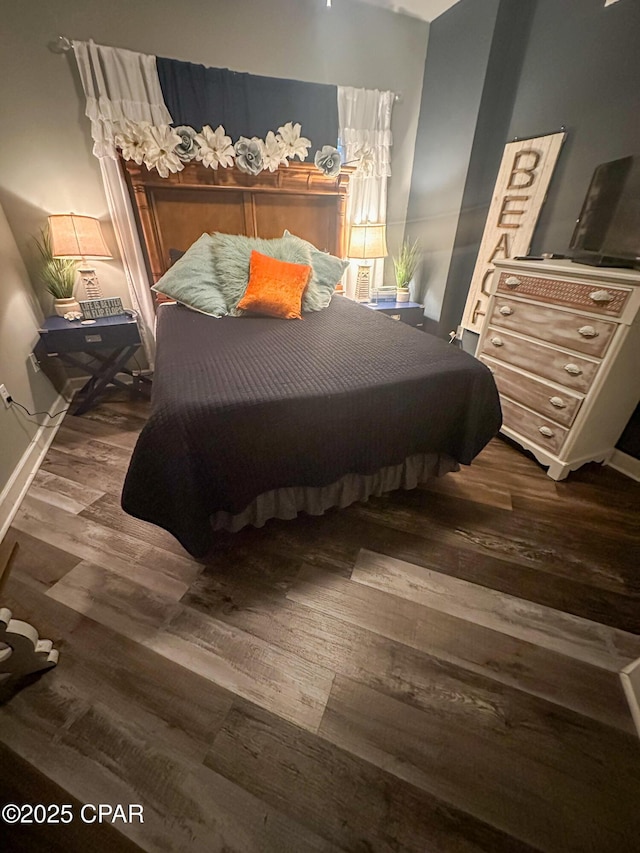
x=77 y=237
x=368 y=241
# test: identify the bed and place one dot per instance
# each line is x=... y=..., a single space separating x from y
x=254 y=417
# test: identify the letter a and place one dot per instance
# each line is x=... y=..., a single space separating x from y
x=501 y=246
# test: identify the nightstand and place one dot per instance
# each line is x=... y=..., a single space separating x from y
x=410 y=313
x=109 y=342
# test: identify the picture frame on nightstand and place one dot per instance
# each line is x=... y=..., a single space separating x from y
x=384 y=294
x=94 y=309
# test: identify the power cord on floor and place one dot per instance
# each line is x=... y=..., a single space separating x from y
x=13 y=402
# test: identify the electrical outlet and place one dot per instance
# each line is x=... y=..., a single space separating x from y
x=34 y=362
x=5 y=396
x=459 y=332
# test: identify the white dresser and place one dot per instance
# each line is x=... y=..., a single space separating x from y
x=563 y=343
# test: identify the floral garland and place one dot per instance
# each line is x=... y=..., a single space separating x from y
x=167 y=149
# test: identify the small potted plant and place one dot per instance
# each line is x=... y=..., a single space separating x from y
x=404 y=264
x=58 y=275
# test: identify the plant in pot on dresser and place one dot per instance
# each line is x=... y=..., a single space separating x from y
x=563 y=342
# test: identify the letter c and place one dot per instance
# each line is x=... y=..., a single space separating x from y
x=86 y=819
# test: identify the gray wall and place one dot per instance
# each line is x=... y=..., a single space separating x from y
x=508 y=44
x=581 y=69
x=456 y=65
x=575 y=64
x=20 y=318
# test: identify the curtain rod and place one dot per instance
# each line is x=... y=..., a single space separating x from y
x=63 y=44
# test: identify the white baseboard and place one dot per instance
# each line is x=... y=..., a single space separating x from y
x=26 y=469
x=630 y=677
x=625 y=464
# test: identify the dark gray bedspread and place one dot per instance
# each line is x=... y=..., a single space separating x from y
x=244 y=405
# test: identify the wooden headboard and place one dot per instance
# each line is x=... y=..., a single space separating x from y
x=173 y=212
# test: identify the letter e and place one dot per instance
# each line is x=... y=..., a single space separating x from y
x=506 y=211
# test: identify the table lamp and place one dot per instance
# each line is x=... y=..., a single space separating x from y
x=79 y=238
x=367 y=241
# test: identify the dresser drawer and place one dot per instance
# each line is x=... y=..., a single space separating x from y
x=608 y=300
x=572 y=370
x=561 y=406
x=529 y=425
x=585 y=334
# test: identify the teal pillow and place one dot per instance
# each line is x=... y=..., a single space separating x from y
x=192 y=280
x=327 y=272
x=232 y=254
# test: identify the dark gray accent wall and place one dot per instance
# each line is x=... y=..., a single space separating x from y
x=510 y=35
x=571 y=63
x=544 y=65
x=581 y=69
x=457 y=58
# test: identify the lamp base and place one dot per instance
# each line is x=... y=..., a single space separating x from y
x=89 y=280
x=363 y=283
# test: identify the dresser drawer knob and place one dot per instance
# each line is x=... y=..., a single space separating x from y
x=505 y=310
x=546 y=432
x=512 y=281
x=573 y=369
x=497 y=342
x=588 y=332
x=601 y=296
x=558 y=402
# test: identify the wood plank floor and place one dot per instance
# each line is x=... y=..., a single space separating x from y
x=433 y=671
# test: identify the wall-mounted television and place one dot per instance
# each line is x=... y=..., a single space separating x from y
x=607 y=232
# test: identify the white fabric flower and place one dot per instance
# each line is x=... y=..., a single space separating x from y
x=160 y=150
x=131 y=139
x=294 y=144
x=365 y=159
x=216 y=148
x=273 y=154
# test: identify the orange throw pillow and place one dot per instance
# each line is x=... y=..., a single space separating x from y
x=275 y=287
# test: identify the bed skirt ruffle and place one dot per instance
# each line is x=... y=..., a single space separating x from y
x=287 y=503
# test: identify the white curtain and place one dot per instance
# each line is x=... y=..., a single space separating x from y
x=121 y=84
x=364 y=117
